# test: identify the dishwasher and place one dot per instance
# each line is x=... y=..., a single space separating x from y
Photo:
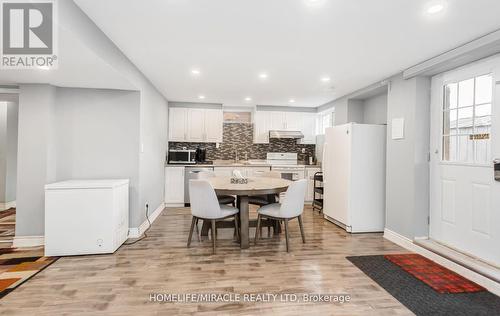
x=190 y=173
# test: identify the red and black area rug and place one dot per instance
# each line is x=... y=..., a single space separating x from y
x=427 y=288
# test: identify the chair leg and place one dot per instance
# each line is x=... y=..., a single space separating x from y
x=302 y=229
x=197 y=230
x=213 y=234
x=236 y=228
x=191 y=231
x=257 y=230
x=286 y=234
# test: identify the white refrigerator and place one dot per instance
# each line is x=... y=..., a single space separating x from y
x=354 y=177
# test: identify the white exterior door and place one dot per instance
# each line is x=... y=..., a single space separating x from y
x=465 y=139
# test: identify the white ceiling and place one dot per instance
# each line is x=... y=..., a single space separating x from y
x=79 y=66
x=355 y=42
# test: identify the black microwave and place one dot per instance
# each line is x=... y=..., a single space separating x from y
x=182 y=156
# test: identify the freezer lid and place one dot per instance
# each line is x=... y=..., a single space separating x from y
x=87 y=184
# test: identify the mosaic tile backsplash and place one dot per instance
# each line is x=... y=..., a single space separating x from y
x=239 y=136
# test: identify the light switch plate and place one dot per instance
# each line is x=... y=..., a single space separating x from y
x=398 y=128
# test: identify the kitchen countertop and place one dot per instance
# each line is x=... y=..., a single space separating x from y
x=231 y=163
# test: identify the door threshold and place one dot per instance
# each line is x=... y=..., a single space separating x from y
x=474 y=264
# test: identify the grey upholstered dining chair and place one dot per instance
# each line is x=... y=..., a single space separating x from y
x=205 y=206
x=291 y=207
x=223 y=199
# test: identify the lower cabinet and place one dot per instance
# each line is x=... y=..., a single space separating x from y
x=310 y=183
x=174 y=186
x=245 y=171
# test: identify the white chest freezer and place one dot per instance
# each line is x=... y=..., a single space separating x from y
x=86 y=216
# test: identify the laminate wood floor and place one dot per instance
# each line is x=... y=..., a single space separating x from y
x=121 y=284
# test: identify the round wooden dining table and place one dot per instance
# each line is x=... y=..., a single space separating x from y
x=255 y=186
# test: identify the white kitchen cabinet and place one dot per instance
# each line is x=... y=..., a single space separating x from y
x=177 y=126
x=174 y=186
x=264 y=121
x=278 y=120
x=213 y=126
x=245 y=171
x=293 y=121
x=261 y=127
x=196 y=125
x=310 y=183
x=256 y=171
x=308 y=128
x=223 y=171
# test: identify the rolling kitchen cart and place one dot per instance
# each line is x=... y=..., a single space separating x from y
x=318 y=192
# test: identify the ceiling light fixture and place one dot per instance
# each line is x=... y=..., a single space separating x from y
x=195 y=72
x=201 y=97
x=263 y=75
x=291 y=100
x=326 y=79
x=435 y=7
x=248 y=99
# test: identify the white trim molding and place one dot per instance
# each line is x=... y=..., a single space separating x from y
x=136 y=232
x=28 y=241
x=7 y=205
x=408 y=244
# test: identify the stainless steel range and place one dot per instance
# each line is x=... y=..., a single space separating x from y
x=287 y=165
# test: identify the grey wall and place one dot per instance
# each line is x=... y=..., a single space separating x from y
x=11 y=145
x=36 y=156
x=355 y=111
x=3 y=150
x=375 y=109
x=153 y=151
x=37 y=164
x=97 y=136
x=407 y=166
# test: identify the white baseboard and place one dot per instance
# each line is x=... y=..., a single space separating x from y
x=136 y=232
x=407 y=243
x=28 y=241
x=7 y=205
x=174 y=205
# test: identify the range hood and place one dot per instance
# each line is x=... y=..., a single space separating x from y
x=286 y=134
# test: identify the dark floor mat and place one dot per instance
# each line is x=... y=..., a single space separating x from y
x=419 y=297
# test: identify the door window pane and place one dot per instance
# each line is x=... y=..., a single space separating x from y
x=466 y=93
x=467 y=112
x=465 y=149
x=483 y=110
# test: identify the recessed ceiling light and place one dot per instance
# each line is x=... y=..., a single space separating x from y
x=201 y=97
x=435 y=8
x=326 y=79
x=195 y=72
x=263 y=75
x=291 y=100
x=248 y=99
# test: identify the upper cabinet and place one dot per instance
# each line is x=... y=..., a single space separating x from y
x=177 y=124
x=265 y=121
x=195 y=125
